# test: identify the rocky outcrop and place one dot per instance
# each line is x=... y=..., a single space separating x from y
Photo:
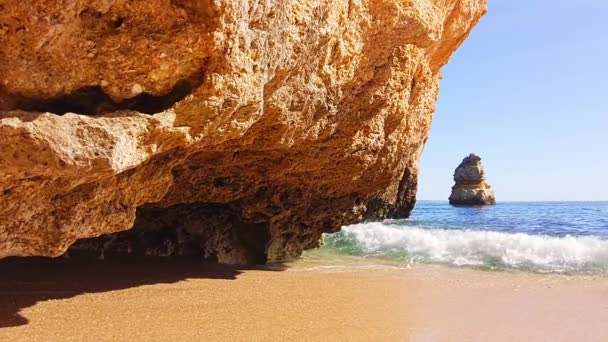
x=471 y=187
x=239 y=131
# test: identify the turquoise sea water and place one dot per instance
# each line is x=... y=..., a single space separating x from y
x=561 y=237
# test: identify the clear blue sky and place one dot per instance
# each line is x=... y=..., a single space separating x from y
x=528 y=92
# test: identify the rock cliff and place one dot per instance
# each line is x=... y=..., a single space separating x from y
x=238 y=131
x=471 y=187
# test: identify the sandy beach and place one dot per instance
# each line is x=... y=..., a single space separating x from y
x=187 y=301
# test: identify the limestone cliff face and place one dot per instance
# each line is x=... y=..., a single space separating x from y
x=239 y=131
x=471 y=187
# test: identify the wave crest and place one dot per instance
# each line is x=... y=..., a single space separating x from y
x=588 y=254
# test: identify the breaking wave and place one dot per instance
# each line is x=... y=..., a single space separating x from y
x=540 y=253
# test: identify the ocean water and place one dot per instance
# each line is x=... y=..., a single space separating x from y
x=556 y=237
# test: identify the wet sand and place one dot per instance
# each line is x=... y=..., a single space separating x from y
x=187 y=301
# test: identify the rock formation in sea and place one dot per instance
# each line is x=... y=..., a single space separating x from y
x=471 y=187
x=238 y=131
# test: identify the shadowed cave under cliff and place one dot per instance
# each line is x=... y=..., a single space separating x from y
x=207 y=231
x=210 y=232
x=265 y=218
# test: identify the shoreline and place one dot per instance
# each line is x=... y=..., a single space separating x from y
x=43 y=301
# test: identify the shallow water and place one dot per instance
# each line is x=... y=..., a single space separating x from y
x=559 y=237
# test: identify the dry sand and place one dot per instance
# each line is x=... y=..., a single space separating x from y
x=186 y=301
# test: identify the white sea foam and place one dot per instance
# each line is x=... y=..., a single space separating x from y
x=469 y=247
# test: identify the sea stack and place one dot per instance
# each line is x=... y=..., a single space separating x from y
x=471 y=187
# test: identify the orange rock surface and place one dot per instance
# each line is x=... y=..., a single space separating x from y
x=235 y=130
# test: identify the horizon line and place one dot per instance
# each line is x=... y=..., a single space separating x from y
x=530 y=200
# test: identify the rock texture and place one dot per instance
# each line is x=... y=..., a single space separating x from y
x=239 y=131
x=471 y=187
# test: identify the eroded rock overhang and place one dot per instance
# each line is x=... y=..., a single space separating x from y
x=236 y=131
